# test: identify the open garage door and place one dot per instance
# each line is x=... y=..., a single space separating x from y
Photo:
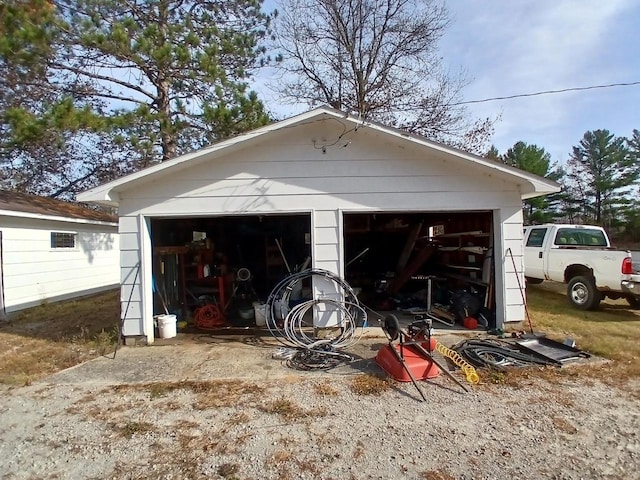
x=396 y=259
x=227 y=264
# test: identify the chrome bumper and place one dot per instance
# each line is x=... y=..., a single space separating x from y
x=631 y=285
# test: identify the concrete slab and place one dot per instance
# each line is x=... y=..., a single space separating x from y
x=207 y=357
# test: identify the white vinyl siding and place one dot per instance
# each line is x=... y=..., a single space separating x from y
x=509 y=251
x=35 y=271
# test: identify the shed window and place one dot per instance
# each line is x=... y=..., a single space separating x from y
x=63 y=240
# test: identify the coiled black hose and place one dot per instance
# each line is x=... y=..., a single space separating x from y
x=490 y=353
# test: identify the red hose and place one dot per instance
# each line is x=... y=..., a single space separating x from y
x=208 y=317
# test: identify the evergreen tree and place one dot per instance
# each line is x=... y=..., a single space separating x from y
x=129 y=83
x=534 y=159
x=602 y=169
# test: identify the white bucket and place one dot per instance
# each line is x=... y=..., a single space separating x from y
x=260 y=310
x=167 y=326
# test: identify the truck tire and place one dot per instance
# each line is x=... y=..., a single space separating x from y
x=583 y=294
x=534 y=281
x=634 y=302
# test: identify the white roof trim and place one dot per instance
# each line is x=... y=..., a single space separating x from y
x=107 y=193
x=38 y=216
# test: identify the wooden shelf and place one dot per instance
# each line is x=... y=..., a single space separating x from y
x=469 y=249
x=473 y=233
x=463 y=267
x=465 y=278
x=170 y=250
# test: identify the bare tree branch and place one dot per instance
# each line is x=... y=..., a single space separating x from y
x=377 y=58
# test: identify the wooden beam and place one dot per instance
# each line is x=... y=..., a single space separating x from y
x=408 y=247
x=411 y=269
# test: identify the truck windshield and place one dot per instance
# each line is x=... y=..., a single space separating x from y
x=581 y=237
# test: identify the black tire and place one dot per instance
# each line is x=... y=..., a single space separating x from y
x=534 y=281
x=634 y=302
x=582 y=293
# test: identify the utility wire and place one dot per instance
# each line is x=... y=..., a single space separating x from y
x=546 y=92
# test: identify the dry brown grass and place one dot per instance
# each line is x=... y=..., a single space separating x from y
x=325 y=389
x=436 y=475
x=209 y=393
x=43 y=340
x=283 y=462
x=289 y=410
x=228 y=470
x=368 y=384
x=359 y=450
x=564 y=425
x=129 y=429
x=239 y=418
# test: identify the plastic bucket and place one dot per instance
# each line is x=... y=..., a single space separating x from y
x=167 y=326
x=260 y=310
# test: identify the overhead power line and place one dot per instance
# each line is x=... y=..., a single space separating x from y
x=546 y=92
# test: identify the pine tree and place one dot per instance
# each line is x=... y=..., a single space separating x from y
x=602 y=170
x=127 y=84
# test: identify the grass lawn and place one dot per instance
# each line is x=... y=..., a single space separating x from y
x=51 y=337
x=611 y=332
x=45 y=339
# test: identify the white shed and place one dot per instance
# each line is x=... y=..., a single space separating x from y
x=53 y=250
x=378 y=206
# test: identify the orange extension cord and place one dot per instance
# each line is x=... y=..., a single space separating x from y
x=208 y=317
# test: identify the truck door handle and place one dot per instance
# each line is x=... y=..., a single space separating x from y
x=539 y=254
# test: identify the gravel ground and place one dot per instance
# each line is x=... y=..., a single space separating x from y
x=183 y=411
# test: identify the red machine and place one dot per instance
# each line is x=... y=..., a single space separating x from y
x=409 y=359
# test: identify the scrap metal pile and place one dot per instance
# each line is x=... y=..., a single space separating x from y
x=530 y=350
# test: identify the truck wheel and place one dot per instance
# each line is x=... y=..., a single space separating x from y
x=634 y=302
x=582 y=293
x=534 y=281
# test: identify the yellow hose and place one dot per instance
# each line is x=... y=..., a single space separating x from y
x=469 y=371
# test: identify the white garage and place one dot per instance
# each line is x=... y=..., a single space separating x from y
x=381 y=208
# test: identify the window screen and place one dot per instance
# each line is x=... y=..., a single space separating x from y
x=536 y=237
x=63 y=240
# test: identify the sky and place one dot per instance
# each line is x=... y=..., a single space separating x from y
x=508 y=47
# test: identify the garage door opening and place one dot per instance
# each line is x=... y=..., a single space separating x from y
x=226 y=264
x=392 y=257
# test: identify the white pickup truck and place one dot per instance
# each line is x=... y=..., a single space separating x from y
x=582 y=257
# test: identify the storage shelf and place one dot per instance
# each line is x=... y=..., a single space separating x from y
x=473 y=233
x=463 y=267
x=464 y=278
x=468 y=249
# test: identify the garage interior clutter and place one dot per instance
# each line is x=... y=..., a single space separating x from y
x=217 y=272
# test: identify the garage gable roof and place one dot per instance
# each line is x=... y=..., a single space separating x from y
x=107 y=193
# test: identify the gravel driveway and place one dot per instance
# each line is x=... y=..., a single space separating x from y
x=223 y=408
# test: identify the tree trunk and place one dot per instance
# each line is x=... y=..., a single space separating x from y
x=167 y=137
